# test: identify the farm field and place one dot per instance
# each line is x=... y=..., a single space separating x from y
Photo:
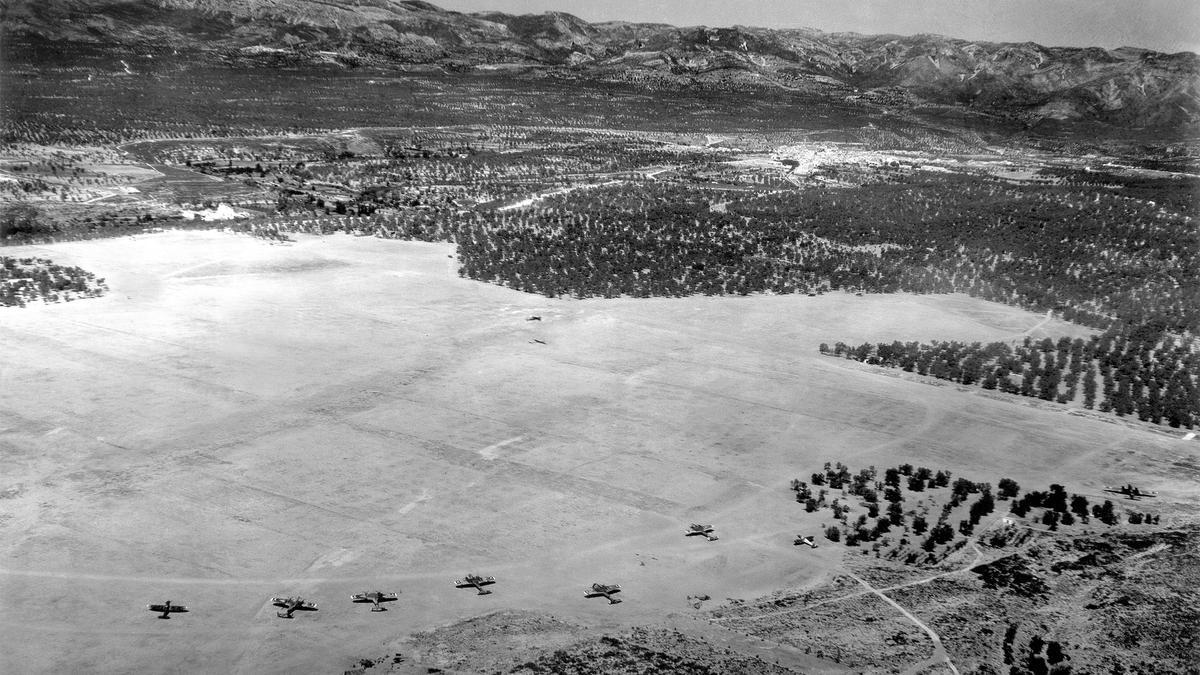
x=239 y=419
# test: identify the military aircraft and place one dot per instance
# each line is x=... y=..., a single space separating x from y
x=166 y=608
x=290 y=605
x=1130 y=492
x=375 y=597
x=698 y=529
x=475 y=581
x=606 y=590
x=807 y=541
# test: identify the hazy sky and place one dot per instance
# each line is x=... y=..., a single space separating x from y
x=1165 y=25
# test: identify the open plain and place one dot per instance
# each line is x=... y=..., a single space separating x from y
x=240 y=419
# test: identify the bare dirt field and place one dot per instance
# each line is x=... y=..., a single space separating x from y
x=238 y=420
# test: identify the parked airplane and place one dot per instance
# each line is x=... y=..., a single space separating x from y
x=477 y=582
x=290 y=605
x=166 y=608
x=606 y=590
x=375 y=597
x=705 y=530
x=1130 y=492
x=807 y=541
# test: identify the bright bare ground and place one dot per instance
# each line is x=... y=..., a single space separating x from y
x=238 y=420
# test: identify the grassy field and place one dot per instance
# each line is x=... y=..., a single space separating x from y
x=237 y=420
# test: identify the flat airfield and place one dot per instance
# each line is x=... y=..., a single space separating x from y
x=238 y=419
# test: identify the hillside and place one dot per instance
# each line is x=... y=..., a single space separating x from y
x=1126 y=87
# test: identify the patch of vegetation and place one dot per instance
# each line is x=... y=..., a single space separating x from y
x=26 y=280
x=920 y=516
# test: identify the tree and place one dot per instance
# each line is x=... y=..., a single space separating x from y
x=1057 y=498
x=1027 y=382
x=1079 y=505
x=895 y=513
x=942 y=533
x=919 y=525
x=1107 y=514
x=832 y=533
x=1054 y=653
x=1089 y=387
x=983 y=506
x=802 y=490
x=1007 y=488
x=962 y=487
x=991 y=381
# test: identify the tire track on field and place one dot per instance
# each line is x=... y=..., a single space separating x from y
x=939 y=650
x=524 y=473
x=119 y=364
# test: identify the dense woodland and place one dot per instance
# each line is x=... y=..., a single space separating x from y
x=1097 y=257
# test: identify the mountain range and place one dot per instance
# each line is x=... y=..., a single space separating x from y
x=1125 y=88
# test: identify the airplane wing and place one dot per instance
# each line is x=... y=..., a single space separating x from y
x=156 y=608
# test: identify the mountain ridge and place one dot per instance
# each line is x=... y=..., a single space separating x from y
x=1127 y=86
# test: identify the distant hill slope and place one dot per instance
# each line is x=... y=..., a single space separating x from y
x=1125 y=87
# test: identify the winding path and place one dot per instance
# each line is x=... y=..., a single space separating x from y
x=939 y=651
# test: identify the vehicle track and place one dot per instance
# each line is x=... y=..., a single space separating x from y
x=939 y=650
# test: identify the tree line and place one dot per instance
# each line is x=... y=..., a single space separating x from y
x=1137 y=370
